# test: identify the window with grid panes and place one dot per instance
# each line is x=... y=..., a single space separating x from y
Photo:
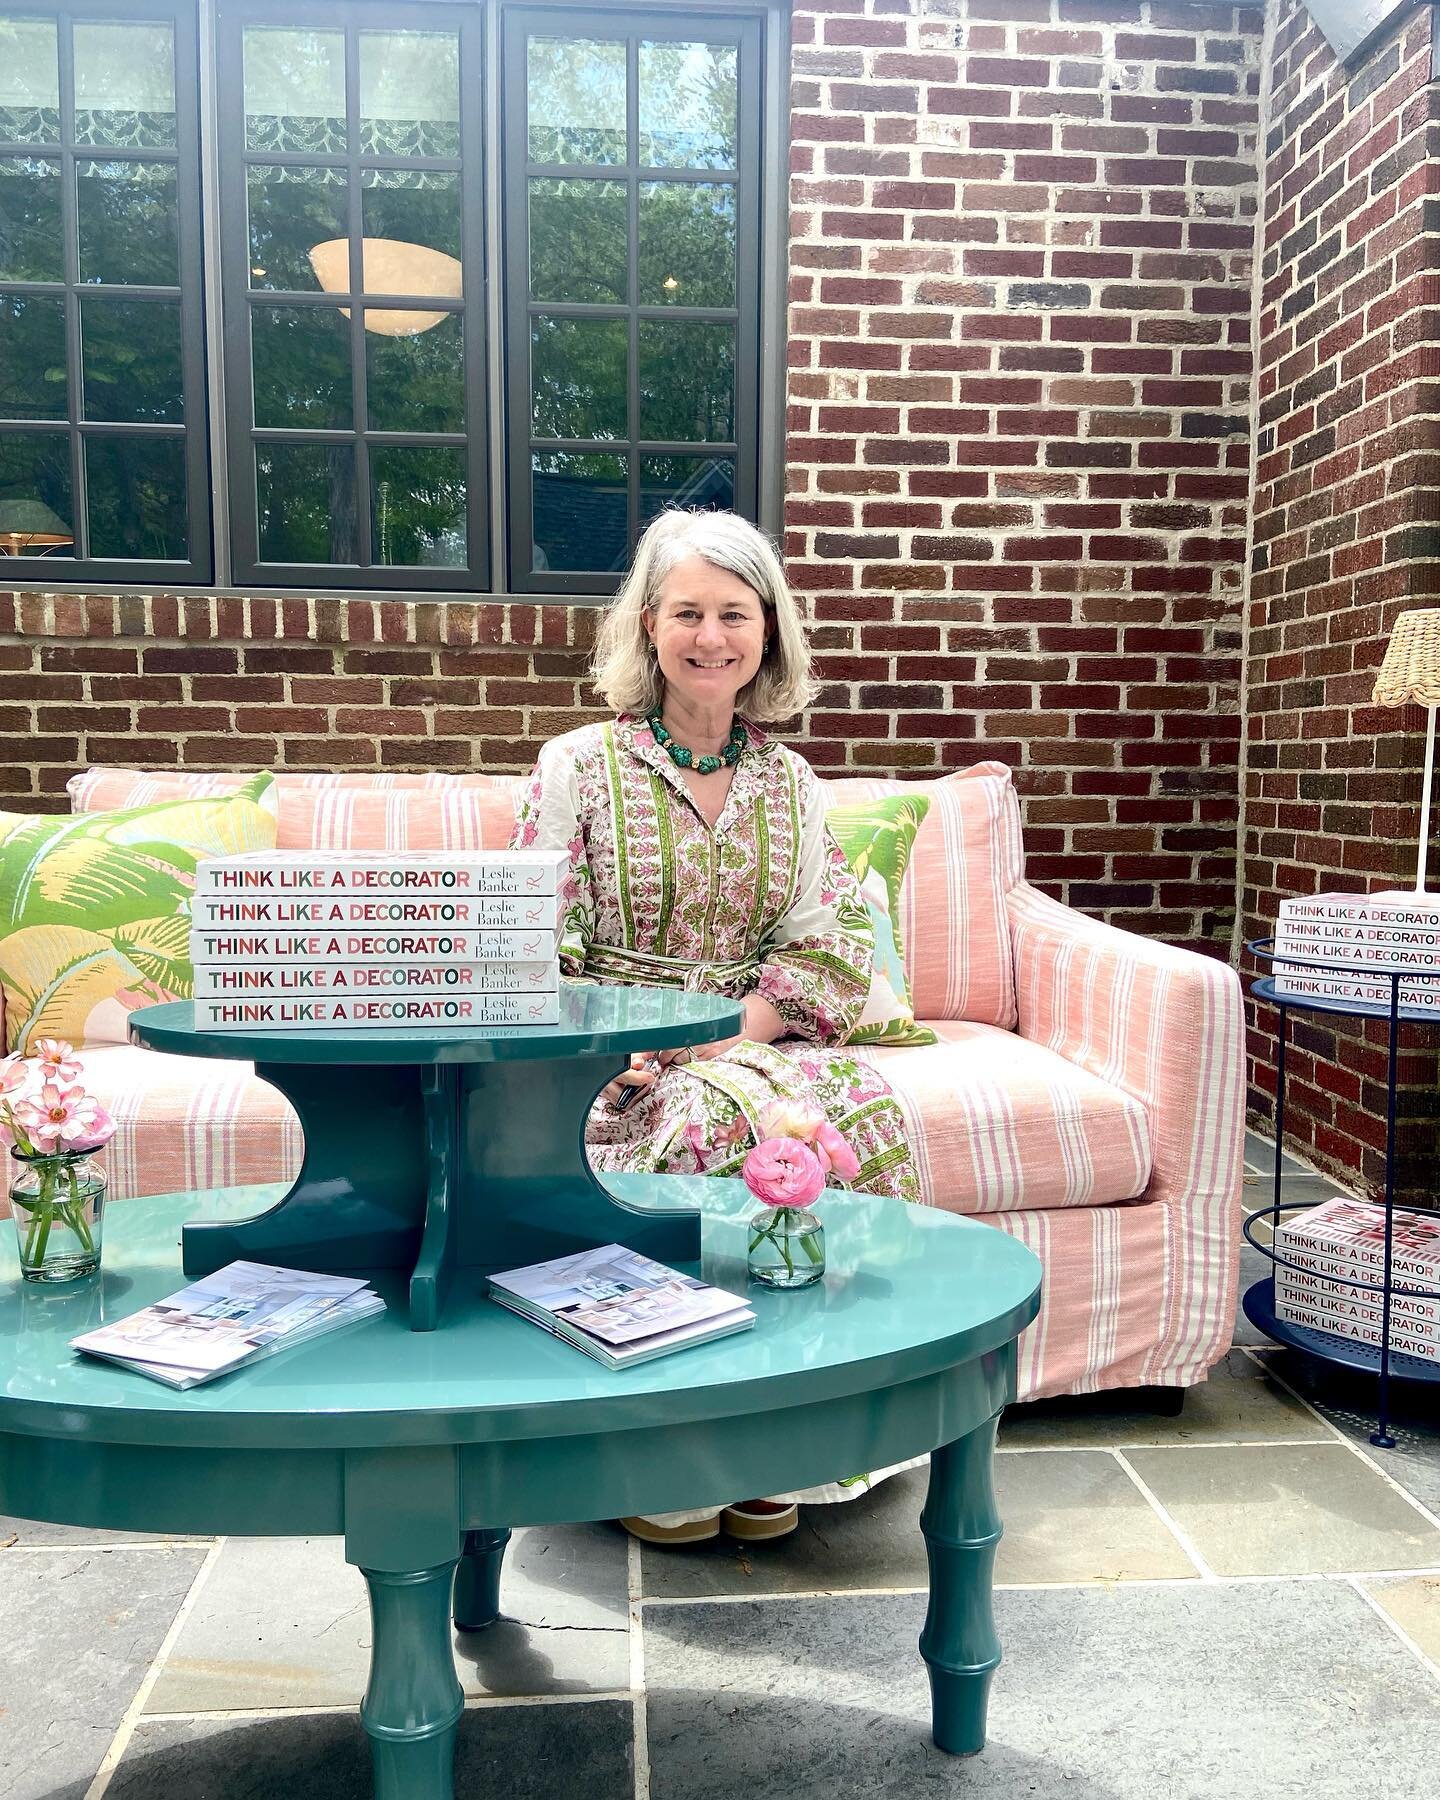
x=488 y=299
x=103 y=469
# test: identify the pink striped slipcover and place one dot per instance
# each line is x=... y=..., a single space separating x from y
x=1085 y=1094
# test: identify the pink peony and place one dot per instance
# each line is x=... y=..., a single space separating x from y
x=781 y=1171
x=91 y=1127
x=836 y=1156
x=57 y=1060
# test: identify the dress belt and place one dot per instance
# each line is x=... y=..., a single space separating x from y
x=612 y=962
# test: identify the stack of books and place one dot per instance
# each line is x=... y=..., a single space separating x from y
x=295 y=940
x=1345 y=1239
x=620 y=1307
x=1363 y=937
x=233 y=1317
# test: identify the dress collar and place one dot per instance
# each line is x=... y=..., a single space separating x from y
x=633 y=733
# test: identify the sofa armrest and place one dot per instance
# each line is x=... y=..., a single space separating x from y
x=1163 y=1024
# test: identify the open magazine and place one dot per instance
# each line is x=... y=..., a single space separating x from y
x=226 y=1320
x=620 y=1307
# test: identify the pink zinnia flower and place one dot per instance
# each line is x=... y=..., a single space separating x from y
x=64 y=1118
x=784 y=1172
x=57 y=1060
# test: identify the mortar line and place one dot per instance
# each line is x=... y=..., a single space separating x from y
x=1183 y=1538
x=639 y=1706
x=125 y=1730
x=473 y=1703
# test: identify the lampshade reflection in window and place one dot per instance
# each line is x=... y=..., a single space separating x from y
x=390 y=267
x=30 y=528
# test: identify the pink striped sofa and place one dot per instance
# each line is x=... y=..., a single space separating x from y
x=1085 y=1093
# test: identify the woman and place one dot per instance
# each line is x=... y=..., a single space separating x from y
x=700 y=859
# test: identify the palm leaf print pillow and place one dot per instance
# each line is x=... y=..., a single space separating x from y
x=877 y=837
x=95 y=908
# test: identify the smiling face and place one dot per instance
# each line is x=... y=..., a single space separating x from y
x=709 y=632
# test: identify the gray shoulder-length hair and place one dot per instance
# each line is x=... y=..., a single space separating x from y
x=624 y=668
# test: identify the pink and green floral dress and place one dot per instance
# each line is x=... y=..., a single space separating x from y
x=762 y=903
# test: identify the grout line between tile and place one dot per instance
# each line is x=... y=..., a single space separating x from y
x=1428 y=1663
x=104 y=1549
x=126 y=1728
x=473 y=1703
x=1181 y=1537
x=639 y=1709
x=1340 y=1438
x=1157 y=1444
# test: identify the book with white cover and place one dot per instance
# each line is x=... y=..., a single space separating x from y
x=230 y=944
x=332 y=1012
x=241 y=1312
x=1391 y=909
x=620 y=1307
x=216 y=981
x=521 y=873
x=512 y=912
x=1403 y=1340
x=1354 y=1231
x=1313 y=1289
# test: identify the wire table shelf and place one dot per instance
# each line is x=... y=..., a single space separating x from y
x=1259 y=1300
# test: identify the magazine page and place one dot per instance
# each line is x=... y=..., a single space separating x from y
x=616 y=1294
x=226 y=1316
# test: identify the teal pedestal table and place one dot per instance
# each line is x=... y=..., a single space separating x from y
x=432 y=1151
x=422 y=1449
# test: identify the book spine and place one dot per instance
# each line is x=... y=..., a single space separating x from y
x=1315 y=984
x=1366 y=1264
x=480 y=912
x=249 y=946
x=1360 y=1331
x=240 y=980
x=1318 y=1290
x=1391 y=913
x=392 y=1013
x=404 y=874
x=1353 y=939
x=1386 y=949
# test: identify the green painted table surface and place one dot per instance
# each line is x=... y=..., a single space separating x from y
x=422 y=1449
x=440 y=1150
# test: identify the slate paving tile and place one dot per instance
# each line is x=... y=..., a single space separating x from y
x=1238 y=1404
x=1413 y=1602
x=1068 y=1517
x=1295 y=1509
x=78 y=1630
x=520 y=1752
x=1123 y=1693
x=286 y=1622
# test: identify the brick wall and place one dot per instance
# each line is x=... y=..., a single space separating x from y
x=1348 y=462
x=1018 y=447
x=1020 y=364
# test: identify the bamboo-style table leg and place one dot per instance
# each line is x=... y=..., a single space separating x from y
x=477 y=1580
x=958 y=1642
x=413 y=1702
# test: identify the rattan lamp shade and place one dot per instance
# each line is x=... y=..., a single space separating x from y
x=1411 y=669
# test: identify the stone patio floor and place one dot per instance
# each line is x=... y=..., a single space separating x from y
x=1241 y=1602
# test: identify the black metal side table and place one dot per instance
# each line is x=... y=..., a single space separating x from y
x=1259 y=1300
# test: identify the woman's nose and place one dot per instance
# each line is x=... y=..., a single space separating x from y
x=710 y=632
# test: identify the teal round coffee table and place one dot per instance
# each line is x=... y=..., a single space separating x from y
x=432 y=1151
x=422 y=1449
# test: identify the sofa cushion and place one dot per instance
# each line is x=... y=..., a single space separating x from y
x=325 y=811
x=998 y=1124
x=953 y=922
x=187 y=1123
x=94 y=909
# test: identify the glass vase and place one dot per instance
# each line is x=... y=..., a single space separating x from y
x=57 y=1202
x=787 y=1247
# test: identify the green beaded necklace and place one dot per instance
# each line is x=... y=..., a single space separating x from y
x=687 y=759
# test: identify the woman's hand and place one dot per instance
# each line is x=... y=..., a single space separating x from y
x=644 y=1070
x=762 y=1025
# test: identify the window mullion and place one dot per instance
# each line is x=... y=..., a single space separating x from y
x=80 y=510
x=632 y=277
x=360 y=464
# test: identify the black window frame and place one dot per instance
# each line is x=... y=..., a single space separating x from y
x=352 y=17
x=663 y=24
x=214 y=304
x=80 y=569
